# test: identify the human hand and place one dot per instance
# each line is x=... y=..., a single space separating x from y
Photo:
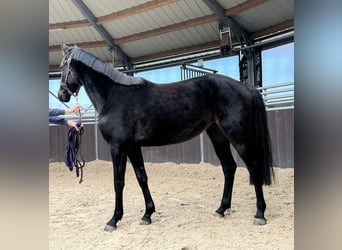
x=74 y=109
x=73 y=124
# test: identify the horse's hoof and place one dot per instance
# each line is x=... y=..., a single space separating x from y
x=216 y=214
x=109 y=228
x=259 y=221
x=145 y=222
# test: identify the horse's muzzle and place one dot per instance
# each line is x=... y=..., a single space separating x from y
x=63 y=96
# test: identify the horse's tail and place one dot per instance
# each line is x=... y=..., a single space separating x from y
x=262 y=142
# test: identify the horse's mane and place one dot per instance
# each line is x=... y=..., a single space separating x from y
x=104 y=68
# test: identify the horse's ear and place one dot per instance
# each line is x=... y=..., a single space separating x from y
x=64 y=48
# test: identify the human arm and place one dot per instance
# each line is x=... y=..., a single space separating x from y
x=54 y=116
x=56 y=112
x=58 y=120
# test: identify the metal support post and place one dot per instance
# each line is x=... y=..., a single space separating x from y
x=202 y=147
x=96 y=137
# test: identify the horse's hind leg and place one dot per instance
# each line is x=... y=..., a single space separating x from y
x=137 y=161
x=238 y=136
x=247 y=156
x=222 y=148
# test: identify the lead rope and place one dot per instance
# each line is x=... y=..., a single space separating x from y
x=79 y=163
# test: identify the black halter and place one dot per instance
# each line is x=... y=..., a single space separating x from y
x=64 y=83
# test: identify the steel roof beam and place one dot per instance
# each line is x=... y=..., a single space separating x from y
x=243 y=37
x=82 y=7
x=229 y=21
x=216 y=7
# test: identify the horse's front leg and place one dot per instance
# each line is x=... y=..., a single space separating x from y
x=119 y=158
x=137 y=161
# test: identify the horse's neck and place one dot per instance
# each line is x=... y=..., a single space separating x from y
x=97 y=90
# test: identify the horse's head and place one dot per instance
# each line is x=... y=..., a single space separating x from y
x=70 y=84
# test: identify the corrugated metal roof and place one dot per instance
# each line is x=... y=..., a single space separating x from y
x=78 y=35
x=147 y=29
x=260 y=17
x=231 y=3
x=105 y=7
x=62 y=11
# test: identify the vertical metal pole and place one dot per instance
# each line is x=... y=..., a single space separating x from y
x=96 y=138
x=250 y=63
x=202 y=148
x=188 y=73
x=251 y=66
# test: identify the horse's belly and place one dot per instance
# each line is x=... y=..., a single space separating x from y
x=180 y=123
x=165 y=135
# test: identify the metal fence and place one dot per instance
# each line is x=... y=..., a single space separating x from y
x=278 y=96
x=192 y=71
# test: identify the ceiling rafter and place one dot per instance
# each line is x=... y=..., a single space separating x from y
x=86 y=12
x=215 y=44
x=274 y=28
x=179 y=51
x=243 y=7
x=149 y=33
x=209 y=45
x=69 y=25
x=280 y=29
x=141 y=8
x=169 y=28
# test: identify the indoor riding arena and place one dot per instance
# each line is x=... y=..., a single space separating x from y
x=169 y=44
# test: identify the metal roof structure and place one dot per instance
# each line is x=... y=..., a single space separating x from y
x=133 y=33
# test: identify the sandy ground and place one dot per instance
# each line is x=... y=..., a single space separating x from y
x=185 y=197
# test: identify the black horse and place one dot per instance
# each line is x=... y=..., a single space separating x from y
x=134 y=112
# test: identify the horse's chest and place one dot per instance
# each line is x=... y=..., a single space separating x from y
x=115 y=127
